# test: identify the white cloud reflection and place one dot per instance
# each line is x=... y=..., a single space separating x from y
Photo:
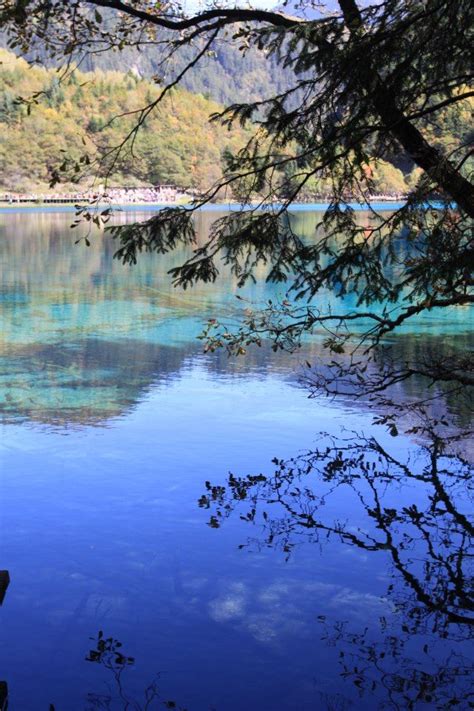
x=289 y=608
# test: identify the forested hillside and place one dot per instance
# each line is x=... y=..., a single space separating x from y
x=225 y=74
x=176 y=145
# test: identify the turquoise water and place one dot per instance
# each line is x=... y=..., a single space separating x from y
x=112 y=420
x=303 y=207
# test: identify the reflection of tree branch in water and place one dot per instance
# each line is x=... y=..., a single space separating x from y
x=412 y=510
x=439 y=529
x=108 y=653
x=406 y=680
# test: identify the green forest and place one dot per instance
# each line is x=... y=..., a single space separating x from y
x=44 y=118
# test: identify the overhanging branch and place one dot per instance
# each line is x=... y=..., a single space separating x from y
x=229 y=16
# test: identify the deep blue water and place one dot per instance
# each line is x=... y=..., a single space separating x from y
x=113 y=419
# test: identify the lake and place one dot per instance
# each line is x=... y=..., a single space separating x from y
x=112 y=421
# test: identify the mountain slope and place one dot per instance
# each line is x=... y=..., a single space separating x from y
x=176 y=145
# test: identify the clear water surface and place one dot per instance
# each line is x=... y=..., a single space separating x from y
x=112 y=421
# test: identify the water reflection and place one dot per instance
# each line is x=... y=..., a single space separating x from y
x=108 y=653
x=104 y=520
x=415 y=511
x=84 y=338
x=402 y=672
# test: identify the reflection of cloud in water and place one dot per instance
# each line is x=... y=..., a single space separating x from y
x=361 y=605
x=283 y=609
x=231 y=605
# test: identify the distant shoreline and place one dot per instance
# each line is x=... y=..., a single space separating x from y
x=382 y=205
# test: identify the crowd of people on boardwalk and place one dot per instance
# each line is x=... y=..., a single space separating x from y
x=161 y=194
x=126 y=195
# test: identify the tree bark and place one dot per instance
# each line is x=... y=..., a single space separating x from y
x=394 y=120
